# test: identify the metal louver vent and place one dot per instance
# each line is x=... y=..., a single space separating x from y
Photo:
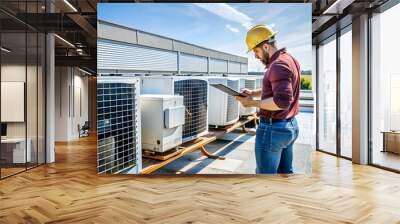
x=250 y=84
x=118 y=143
x=194 y=92
x=233 y=104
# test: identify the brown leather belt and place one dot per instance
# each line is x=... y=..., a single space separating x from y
x=273 y=120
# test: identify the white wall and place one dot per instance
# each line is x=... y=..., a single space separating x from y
x=70 y=83
x=79 y=117
x=62 y=81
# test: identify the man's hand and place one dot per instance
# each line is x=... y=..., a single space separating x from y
x=247 y=92
x=245 y=101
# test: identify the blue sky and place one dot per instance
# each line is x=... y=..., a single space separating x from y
x=219 y=26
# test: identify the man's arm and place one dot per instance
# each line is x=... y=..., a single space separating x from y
x=265 y=104
x=268 y=104
x=257 y=92
x=280 y=78
x=281 y=83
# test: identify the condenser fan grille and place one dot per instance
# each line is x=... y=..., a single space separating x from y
x=116 y=126
x=194 y=94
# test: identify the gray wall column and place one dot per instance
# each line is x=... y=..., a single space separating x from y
x=50 y=99
x=360 y=90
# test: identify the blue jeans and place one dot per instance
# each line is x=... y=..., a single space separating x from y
x=274 y=146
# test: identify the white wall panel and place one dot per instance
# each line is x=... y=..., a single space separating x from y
x=121 y=56
x=108 y=31
x=192 y=63
x=243 y=68
x=233 y=67
x=218 y=65
x=182 y=47
x=155 y=41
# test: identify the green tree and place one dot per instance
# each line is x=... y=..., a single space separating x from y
x=305 y=84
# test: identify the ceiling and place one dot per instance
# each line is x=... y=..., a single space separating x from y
x=72 y=20
x=75 y=21
x=332 y=15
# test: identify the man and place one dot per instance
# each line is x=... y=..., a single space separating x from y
x=279 y=102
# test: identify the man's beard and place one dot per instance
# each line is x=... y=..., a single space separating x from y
x=265 y=59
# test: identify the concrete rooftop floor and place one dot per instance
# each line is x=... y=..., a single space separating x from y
x=238 y=149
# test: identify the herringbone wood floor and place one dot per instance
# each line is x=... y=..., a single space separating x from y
x=70 y=191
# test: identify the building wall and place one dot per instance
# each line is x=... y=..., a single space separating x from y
x=71 y=102
x=192 y=63
x=112 y=55
x=125 y=50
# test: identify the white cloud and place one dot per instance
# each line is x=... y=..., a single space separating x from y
x=232 y=29
x=239 y=48
x=227 y=12
x=297 y=40
x=273 y=14
x=294 y=39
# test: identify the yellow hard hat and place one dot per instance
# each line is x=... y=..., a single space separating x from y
x=258 y=34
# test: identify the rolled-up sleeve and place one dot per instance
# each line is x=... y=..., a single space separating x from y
x=280 y=77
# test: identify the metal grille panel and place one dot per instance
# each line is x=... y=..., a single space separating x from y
x=233 y=104
x=194 y=92
x=114 y=55
x=243 y=68
x=233 y=67
x=250 y=84
x=117 y=129
x=192 y=63
x=217 y=65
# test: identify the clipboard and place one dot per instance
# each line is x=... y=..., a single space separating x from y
x=227 y=90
